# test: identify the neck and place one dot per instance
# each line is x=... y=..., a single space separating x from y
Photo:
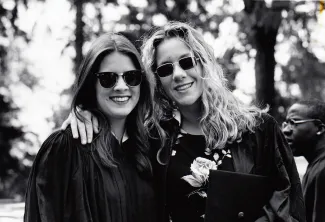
x=191 y=116
x=118 y=128
x=316 y=151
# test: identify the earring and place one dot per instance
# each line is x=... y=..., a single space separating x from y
x=318 y=133
x=174 y=105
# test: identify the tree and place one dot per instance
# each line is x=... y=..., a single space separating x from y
x=13 y=173
x=304 y=69
x=295 y=26
x=8 y=163
x=79 y=33
x=262 y=29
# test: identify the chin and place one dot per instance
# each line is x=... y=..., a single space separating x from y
x=119 y=114
x=296 y=151
x=187 y=102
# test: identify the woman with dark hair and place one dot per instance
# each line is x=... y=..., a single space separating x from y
x=109 y=179
x=205 y=128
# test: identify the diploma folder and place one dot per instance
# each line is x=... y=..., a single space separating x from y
x=234 y=196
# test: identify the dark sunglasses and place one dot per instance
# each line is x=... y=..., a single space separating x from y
x=109 y=79
x=168 y=68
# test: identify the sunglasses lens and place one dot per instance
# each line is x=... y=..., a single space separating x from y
x=107 y=79
x=165 y=70
x=187 y=63
x=133 y=77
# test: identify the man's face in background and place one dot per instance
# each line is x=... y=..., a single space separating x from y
x=301 y=136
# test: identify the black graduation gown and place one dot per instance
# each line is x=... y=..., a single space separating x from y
x=68 y=182
x=313 y=186
x=265 y=153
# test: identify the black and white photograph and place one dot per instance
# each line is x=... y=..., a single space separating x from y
x=162 y=110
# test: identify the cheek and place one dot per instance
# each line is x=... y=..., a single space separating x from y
x=302 y=135
x=297 y=132
x=196 y=72
x=136 y=93
x=200 y=84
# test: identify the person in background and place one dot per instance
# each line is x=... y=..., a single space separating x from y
x=204 y=126
x=109 y=179
x=304 y=130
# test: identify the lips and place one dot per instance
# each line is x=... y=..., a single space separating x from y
x=183 y=87
x=289 y=140
x=120 y=99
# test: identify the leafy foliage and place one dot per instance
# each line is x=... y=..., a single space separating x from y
x=13 y=173
x=303 y=68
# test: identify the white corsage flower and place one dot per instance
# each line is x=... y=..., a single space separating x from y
x=200 y=169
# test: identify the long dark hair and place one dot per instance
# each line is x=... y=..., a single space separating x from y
x=85 y=97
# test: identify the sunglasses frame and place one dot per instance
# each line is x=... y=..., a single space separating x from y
x=288 y=122
x=194 y=61
x=99 y=74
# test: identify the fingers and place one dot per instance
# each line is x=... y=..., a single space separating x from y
x=71 y=120
x=74 y=125
x=82 y=131
x=84 y=128
x=95 y=124
x=88 y=126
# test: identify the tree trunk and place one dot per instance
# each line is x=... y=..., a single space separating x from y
x=79 y=33
x=264 y=67
x=265 y=23
x=265 y=40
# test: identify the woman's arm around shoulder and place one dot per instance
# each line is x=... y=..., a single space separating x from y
x=55 y=166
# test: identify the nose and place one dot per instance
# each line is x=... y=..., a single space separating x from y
x=178 y=72
x=287 y=129
x=120 y=84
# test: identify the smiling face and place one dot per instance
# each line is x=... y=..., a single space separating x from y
x=117 y=102
x=185 y=87
x=301 y=137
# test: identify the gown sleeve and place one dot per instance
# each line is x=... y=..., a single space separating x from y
x=54 y=191
x=287 y=202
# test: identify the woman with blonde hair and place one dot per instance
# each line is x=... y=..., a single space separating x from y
x=204 y=128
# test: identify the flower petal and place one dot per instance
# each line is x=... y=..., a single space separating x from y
x=192 y=181
x=202 y=194
x=216 y=156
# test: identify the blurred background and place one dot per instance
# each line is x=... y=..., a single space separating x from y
x=273 y=52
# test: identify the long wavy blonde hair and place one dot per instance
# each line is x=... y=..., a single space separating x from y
x=224 y=118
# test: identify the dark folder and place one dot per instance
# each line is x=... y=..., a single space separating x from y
x=235 y=196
